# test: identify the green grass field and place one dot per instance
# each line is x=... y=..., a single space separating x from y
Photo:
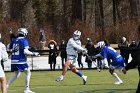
x=98 y=82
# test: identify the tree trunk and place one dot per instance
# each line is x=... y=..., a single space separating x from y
x=133 y=6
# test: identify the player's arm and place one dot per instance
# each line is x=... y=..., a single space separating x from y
x=97 y=56
x=26 y=49
x=27 y=52
x=80 y=49
x=76 y=46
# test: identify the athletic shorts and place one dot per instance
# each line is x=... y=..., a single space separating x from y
x=2 y=74
x=73 y=58
x=18 y=67
x=118 y=63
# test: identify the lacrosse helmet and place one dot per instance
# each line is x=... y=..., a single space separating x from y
x=23 y=31
x=76 y=34
x=100 y=44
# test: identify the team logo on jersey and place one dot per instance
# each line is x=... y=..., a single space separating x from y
x=16 y=48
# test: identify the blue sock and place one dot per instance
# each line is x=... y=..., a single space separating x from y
x=79 y=73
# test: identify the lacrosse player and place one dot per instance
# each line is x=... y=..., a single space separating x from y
x=73 y=47
x=4 y=57
x=19 y=48
x=108 y=52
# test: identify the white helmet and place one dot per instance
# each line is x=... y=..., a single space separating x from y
x=100 y=44
x=76 y=34
x=23 y=31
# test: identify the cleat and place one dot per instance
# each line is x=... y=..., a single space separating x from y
x=118 y=82
x=99 y=70
x=28 y=91
x=84 y=80
x=60 y=78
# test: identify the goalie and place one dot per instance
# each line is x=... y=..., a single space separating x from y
x=108 y=52
x=73 y=47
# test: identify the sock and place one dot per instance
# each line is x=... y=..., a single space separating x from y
x=116 y=76
x=79 y=73
x=27 y=79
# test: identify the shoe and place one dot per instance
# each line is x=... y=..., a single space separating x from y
x=99 y=70
x=84 y=80
x=28 y=91
x=60 y=78
x=118 y=82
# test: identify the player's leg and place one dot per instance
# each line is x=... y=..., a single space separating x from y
x=3 y=84
x=99 y=65
x=79 y=73
x=27 y=81
x=111 y=70
x=15 y=76
x=65 y=68
x=66 y=65
x=2 y=80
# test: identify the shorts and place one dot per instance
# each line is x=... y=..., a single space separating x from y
x=73 y=59
x=18 y=67
x=118 y=64
x=2 y=74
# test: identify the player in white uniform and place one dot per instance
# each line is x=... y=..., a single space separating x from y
x=19 y=47
x=73 y=47
x=4 y=57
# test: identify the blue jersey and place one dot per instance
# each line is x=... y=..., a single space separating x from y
x=18 y=45
x=110 y=53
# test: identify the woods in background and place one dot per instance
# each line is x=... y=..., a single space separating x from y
x=98 y=19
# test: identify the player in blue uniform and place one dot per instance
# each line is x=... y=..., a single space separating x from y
x=73 y=47
x=19 y=48
x=117 y=61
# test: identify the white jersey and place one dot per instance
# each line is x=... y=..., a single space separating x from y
x=73 y=47
x=3 y=56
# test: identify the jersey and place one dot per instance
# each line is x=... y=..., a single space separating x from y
x=110 y=53
x=3 y=56
x=18 y=45
x=73 y=47
x=3 y=52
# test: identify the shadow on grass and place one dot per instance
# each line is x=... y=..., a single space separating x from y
x=110 y=91
x=64 y=84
